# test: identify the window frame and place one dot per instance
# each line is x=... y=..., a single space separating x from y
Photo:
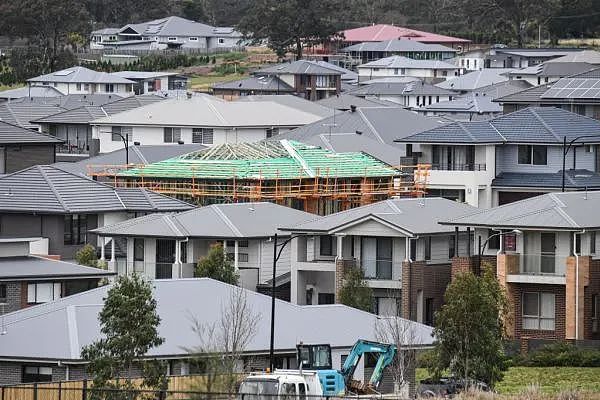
x=427 y=248
x=75 y=233
x=35 y=285
x=28 y=377
x=203 y=134
x=332 y=246
x=451 y=247
x=3 y=293
x=173 y=132
x=136 y=248
x=526 y=155
x=539 y=317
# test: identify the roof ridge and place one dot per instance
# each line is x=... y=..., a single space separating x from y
x=139 y=154
x=491 y=122
x=147 y=196
x=370 y=125
x=226 y=220
x=532 y=110
x=52 y=187
x=74 y=348
x=167 y=219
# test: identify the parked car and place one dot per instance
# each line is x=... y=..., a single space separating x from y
x=448 y=387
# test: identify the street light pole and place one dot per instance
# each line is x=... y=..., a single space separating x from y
x=482 y=245
x=125 y=140
x=565 y=150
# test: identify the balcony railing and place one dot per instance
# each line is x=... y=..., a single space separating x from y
x=458 y=167
x=156 y=270
x=382 y=269
x=543 y=264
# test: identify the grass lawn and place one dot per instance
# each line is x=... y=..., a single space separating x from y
x=7 y=87
x=551 y=380
x=204 y=82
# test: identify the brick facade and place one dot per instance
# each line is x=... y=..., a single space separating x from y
x=469 y=263
x=559 y=307
x=432 y=280
x=591 y=290
x=341 y=266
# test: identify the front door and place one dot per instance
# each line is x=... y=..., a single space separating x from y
x=547 y=265
x=165 y=258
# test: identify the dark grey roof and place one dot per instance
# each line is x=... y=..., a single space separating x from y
x=553 y=69
x=22 y=112
x=401 y=88
x=145 y=154
x=556 y=211
x=538 y=52
x=476 y=79
x=501 y=89
x=72 y=322
x=257 y=83
x=531 y=95
x=382 y=124
x=300 y=67
x=405 y=62
x=411 y=216
x=574 y=88
x=177 y=26
x=296 y=102
x=36 y=268
x=397 y=45
x=469 y=103
x=239 y=220
x=14 y=134
x=47 y=189
x=579 y=178
x=344 y=102
x=33 y=91
x=79 y=74
x=546 y=125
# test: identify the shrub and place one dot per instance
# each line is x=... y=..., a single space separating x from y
x=560 y=354
x=87 y=256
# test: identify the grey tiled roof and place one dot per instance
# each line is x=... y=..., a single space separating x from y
x=14 y=134
x=33 y=91
x=344 y=102
x=257 y=83
x=382 y=124
x=401 y=88
x=413 y=216
x=533 y=94
x=470 y=102
x=37 y=268
x=397 y=45
x=22 y=112
x=301 y=67
x=288 y=100
x=531 y=125
x=239 y=220
x=553 y=68
x=177 y=26
x=557 y=211
x=476 y=79
x=404 y=62
x=79 y=74
x=573 y=179
x=47 y=189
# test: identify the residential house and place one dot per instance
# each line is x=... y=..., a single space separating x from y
x=370 y=51
x=510 y=157
x=578 y=93
x=383 y=32
x=199 y=119
x=288 y=100
x=253 y=85
x=431 y=71
x=74 y=128
x=21 y=148
x=550 y=268
x=550 y=71
x=504 y=57
x=81 y=80
x=347 y=101
x=167 y=33
x=26 y=355
x=476 y=80
x=45 y=201
x=165 y=246
x=150 y=82
x=472 y=60
x=28 y=91
x=27 y=279
x=407 y=94
x=403 y=251
x=313 y=80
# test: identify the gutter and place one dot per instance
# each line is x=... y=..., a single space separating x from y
x=576 y=282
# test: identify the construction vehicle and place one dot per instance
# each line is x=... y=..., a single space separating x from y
x=316 y=377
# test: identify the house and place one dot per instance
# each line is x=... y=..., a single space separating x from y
x=27 y=357
x=81 y=80
x=370 y=51
x=550 y=71
x=347 y=101
x=150 y=82
x=21 y=148
x=295 y=102
x=313 y=80
x=166 y=246
x=382 y=32
x=253 y=85
x=550 y=267
x=29 y=91
x=476 y=80
x=407 y=94
x=510 y=157
x=403 y=251
x=166 y=33
x=472 y=59
x=431 y=71
x=505 y=57
x=199 y=119
x=27 y=279
x=45 y=201
x=74 y=128
x=576 y=93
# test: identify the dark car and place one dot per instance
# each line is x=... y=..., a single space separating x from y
x=448 y=387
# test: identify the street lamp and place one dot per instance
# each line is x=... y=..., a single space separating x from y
x=565 y=150
x=276 y=256
x=125 y=140
x=482 y=245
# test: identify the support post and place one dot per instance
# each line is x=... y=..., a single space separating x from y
x=102 y=250
x=456 y=238
x=564 y=162
x=112 y=249
x=236 y=256
x=272 y=344
x=479 y=256
x=468 y=241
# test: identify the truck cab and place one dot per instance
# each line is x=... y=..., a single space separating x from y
x=281 y=384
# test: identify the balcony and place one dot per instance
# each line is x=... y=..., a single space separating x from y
x=152 y=270
x=458 y=167
x=538 y=268
x=382 y=273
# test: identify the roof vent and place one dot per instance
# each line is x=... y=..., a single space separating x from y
x=359 y=132
x=352 y=108
x=180 y=142
x=189 y=95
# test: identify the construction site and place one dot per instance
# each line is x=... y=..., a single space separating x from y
x=285 y=172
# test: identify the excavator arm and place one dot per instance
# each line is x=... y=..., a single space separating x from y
x=386 y=352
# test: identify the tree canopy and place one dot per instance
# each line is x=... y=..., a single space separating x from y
x=355 y=292
x=217 y=266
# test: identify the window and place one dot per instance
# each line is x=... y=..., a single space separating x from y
x=172 y=135
x=86 y=87
x=413 y=249
x=241 y=243
x=302 y=391
x=578 y=244
x=326 y=298
x=593 y=242
x=138 y=249
x=193 y=39
x=327 y=246
x=429 y=313
x=451 y=246
x=115 y=132
x=272 y=132
x=78 y=87
x=427 y=248
x=36 y=374
x=493 y=243
x=409 y=150
x=395 y=71
x=183 y=256
x=109 y=88
x=221 y=40
x=2 y=293
x=202 y=135
x=75 y=229
x=43 y=292
x=172 y=39
x=596 y=313
x=538 y=311
x=532 y=155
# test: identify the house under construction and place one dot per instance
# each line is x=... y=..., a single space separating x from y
x=286 y=172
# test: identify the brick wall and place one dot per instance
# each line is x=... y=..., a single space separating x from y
x=559 y=323
x=13 y=297
x=591 y=290
x=469 y=263
x=340 y=269
x=431 y=279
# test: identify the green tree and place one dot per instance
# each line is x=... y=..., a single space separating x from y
x=193 y=9
x=355 y=292
x=216 y=266
x=87 y=256
x=129 y=325
x=470 y=328
x=290 y=24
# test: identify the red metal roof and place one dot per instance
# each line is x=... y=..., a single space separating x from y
x=378 y=33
